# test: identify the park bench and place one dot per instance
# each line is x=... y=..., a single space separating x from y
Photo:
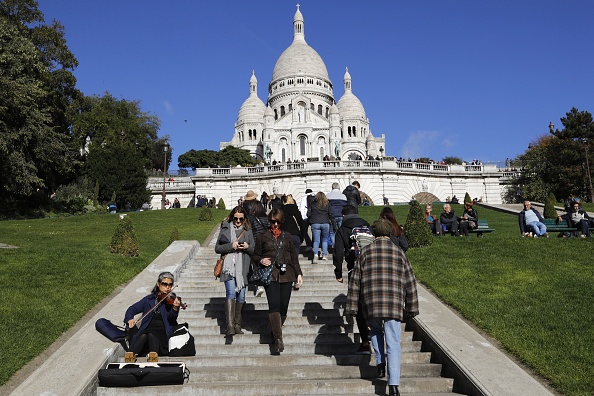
x=483 y=227
x=561 y=226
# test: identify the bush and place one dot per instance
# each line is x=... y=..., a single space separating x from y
x=221 y=204
x=124 y=240
x=467 y=198
x=549 y=208
x=174 y=236
x=416 y=230
x=205 y=214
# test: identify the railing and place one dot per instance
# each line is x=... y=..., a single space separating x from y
x=158 y=185
x=347 y=164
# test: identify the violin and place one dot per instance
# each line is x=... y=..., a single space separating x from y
x=169 y=299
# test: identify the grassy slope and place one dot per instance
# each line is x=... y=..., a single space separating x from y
x=533 y=295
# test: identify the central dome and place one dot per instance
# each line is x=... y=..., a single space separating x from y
x=299 y=58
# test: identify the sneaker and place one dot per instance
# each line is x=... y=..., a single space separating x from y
x=324 y=257
x=260 y=291
x=582 y=236
x=315 y=260
x=364 y=349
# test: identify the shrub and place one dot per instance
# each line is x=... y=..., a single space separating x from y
x=467 y=198
x=416 y=230
x=221 y=204
x=205 y=214
x=124 y=240
x=549 y=208
x=174 y=236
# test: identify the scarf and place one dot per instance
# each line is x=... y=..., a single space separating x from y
x=276 y=232
x=233 y=264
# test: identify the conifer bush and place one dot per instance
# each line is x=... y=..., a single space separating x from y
x=205 y=214
x=174 y=235
x=124 y=240
x=549 y=208
x=467 y=198
x=416 y=230
x=221 y=204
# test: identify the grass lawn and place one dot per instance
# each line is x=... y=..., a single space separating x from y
x=533 y=295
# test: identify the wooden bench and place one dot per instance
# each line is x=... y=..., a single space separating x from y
x=483 y=227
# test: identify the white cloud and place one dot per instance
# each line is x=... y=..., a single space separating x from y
x=168 y=107
x=420 y=144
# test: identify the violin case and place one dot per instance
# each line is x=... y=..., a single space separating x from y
x=143 y=374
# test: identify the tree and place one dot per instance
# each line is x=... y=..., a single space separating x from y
x=549 y=208
x=467 y=198
x=104 y=120
x=452 y=160
x=36 y=86
x=416 y=230
x=229 y=156
x=118 y=169
x=579 y=128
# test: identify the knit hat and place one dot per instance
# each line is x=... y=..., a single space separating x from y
x=250 y=196
x=308 y=191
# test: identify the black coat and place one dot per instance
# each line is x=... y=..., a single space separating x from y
x=266 y=247
x=342 y=244
x=294 y=223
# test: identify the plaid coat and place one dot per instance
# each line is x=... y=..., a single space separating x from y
x=384 y=281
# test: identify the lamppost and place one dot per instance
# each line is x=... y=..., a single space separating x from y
x=585 y=141
x=165 y=150
x=382 y=151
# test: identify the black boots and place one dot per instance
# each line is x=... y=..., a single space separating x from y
x=394 y=390
x=230 y=316
x=380 y=370
x=238 y=316
x=277 y=332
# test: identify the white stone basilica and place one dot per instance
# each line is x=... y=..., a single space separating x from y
x=301 y=119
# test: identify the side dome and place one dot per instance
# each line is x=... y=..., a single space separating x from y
x=349 y=105
x=253 y=109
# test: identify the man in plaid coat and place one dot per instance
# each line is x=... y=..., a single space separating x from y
x=384 y=281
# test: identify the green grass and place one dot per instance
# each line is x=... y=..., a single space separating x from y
x=533 y=295
x=62 y=268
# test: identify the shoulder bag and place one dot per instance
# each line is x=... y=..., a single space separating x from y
x=262 y=276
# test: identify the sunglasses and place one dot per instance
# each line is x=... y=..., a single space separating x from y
x=275 y=222
x=238 y=218
x=165 y=284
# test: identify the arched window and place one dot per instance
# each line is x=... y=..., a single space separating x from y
x=290 y=106
x=350 y=133
x=282 y=111
x=275 y=114
x=327 y=111
x=284 y=156
x=354 y=131
x=320 y=109
x=302 y=142
x=312 y=107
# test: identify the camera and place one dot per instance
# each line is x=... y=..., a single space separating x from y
x=282 y=268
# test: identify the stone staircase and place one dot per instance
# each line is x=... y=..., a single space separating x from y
x=319 y=343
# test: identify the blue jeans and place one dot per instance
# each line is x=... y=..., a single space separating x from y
x=390 y=329
x=332 y=233
x=538 y=227
x=230 y=292
x=322 y=230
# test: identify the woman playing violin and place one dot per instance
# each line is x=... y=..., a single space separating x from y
x=157 y=326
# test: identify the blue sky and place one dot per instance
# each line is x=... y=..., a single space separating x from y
x=473 y=79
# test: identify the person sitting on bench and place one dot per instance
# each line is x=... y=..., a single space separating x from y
x=579 y=219
x=449 y=220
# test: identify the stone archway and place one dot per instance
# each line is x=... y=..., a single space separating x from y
x=425 y=198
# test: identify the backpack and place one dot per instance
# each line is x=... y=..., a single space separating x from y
x=361 y=236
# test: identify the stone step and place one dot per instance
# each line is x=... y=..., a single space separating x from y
x=291 y=348
x=288 y=373
x=289 y=360
x=264 y=338
x=198 y=326
x=343 y=386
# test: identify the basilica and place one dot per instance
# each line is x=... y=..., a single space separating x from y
x=301 y=120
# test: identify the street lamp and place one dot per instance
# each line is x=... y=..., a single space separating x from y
x=381 y=151
x=165 y=150
x=585 y=141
